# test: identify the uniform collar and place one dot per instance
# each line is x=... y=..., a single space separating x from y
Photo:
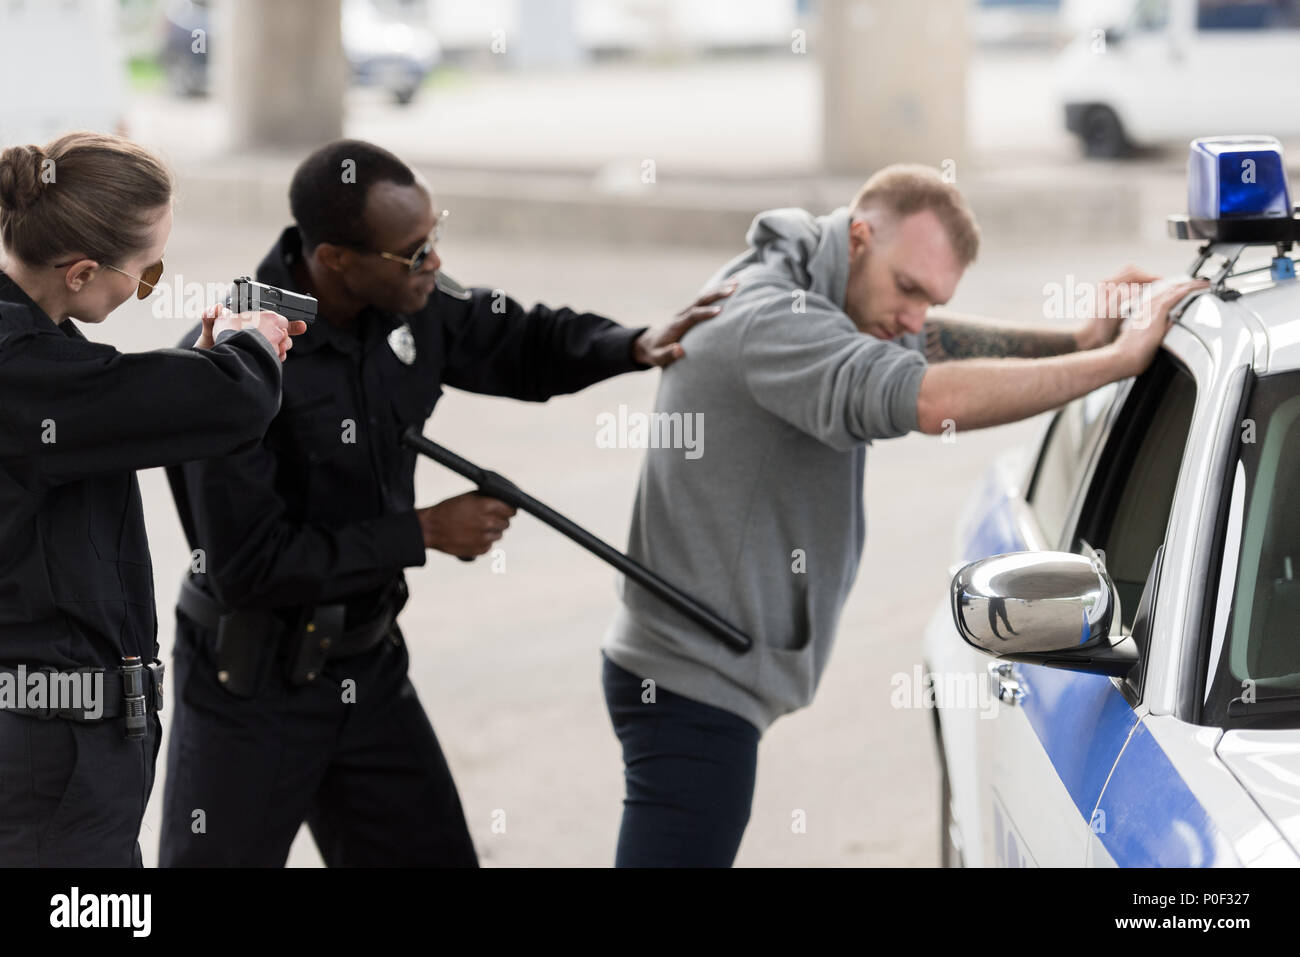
x=28 y=318
x=277 y=269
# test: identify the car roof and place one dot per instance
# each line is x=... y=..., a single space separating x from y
x=1267 y=310
x=1275 y=306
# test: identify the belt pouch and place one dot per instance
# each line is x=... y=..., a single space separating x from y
x=246 y=645
x=324 y=628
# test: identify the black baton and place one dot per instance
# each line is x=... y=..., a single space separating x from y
x=499 y=487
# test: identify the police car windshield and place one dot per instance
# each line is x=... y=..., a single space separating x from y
x=1253 y=666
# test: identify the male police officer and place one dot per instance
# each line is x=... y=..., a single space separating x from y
x=292 y=696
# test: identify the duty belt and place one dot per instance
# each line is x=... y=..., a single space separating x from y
x=113 y=693
x=323 y=625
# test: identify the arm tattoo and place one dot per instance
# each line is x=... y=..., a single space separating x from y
x=958 y=339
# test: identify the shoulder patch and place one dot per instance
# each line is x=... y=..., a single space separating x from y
x=450 y=286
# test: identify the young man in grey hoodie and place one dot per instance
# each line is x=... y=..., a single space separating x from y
x=825 y=346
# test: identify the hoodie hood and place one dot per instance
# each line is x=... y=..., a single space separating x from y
x=793 y=248
x=811 y=251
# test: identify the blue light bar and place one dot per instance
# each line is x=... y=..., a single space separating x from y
x=1235 y=177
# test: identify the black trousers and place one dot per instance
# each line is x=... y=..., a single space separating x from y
x=73 y=794
x=689 y=769
x=352 y=754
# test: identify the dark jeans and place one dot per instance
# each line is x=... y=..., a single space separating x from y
x=689 y=769
x=73 y=794
x=367 y=775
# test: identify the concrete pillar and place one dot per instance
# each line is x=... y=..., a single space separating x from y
x=281 y=72
x=893 y=83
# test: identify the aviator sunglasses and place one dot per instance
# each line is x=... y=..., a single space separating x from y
x=148 y=278
x=413 y=262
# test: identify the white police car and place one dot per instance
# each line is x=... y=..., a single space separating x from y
x=1139 y=619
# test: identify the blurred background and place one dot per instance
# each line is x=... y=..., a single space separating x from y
x=610 y=154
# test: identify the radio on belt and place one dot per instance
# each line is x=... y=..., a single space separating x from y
x=1237 y=196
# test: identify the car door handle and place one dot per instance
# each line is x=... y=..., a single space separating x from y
x=1006 y=682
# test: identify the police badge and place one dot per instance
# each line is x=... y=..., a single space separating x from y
x=402 y=342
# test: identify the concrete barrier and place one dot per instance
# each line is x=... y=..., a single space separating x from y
x=1050 y=204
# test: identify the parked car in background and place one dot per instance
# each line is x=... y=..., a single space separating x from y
x=1164 y=70
x=388 y=53
x=381 y=51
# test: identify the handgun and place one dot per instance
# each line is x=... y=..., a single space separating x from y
x=249 y=295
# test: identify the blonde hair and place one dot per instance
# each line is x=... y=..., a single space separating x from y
x=903 y=189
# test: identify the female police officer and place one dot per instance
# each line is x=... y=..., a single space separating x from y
x=83 y=222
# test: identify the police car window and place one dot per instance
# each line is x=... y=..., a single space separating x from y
x=1064 y=457
x=1248 y=14
x=1253 y=665
x=1127 y=507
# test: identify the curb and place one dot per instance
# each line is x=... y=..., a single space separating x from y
x=605 y=207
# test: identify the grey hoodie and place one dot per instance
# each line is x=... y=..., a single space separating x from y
x=764 y=520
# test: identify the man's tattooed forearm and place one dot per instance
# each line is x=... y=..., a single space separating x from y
x=953 y=339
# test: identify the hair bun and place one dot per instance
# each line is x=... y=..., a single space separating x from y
x=20 y=177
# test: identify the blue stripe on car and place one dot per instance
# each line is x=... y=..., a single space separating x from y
x=1149 y=817
x=996 y=532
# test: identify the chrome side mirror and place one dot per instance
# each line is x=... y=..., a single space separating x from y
x=1052 y=608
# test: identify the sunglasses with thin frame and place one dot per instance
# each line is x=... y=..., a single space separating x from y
x=412 y=263
x=148 y=278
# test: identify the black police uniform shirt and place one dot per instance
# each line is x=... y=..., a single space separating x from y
x=323 y=511
x=77 y=418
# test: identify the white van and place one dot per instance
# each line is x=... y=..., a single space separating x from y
x=1168 y=70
